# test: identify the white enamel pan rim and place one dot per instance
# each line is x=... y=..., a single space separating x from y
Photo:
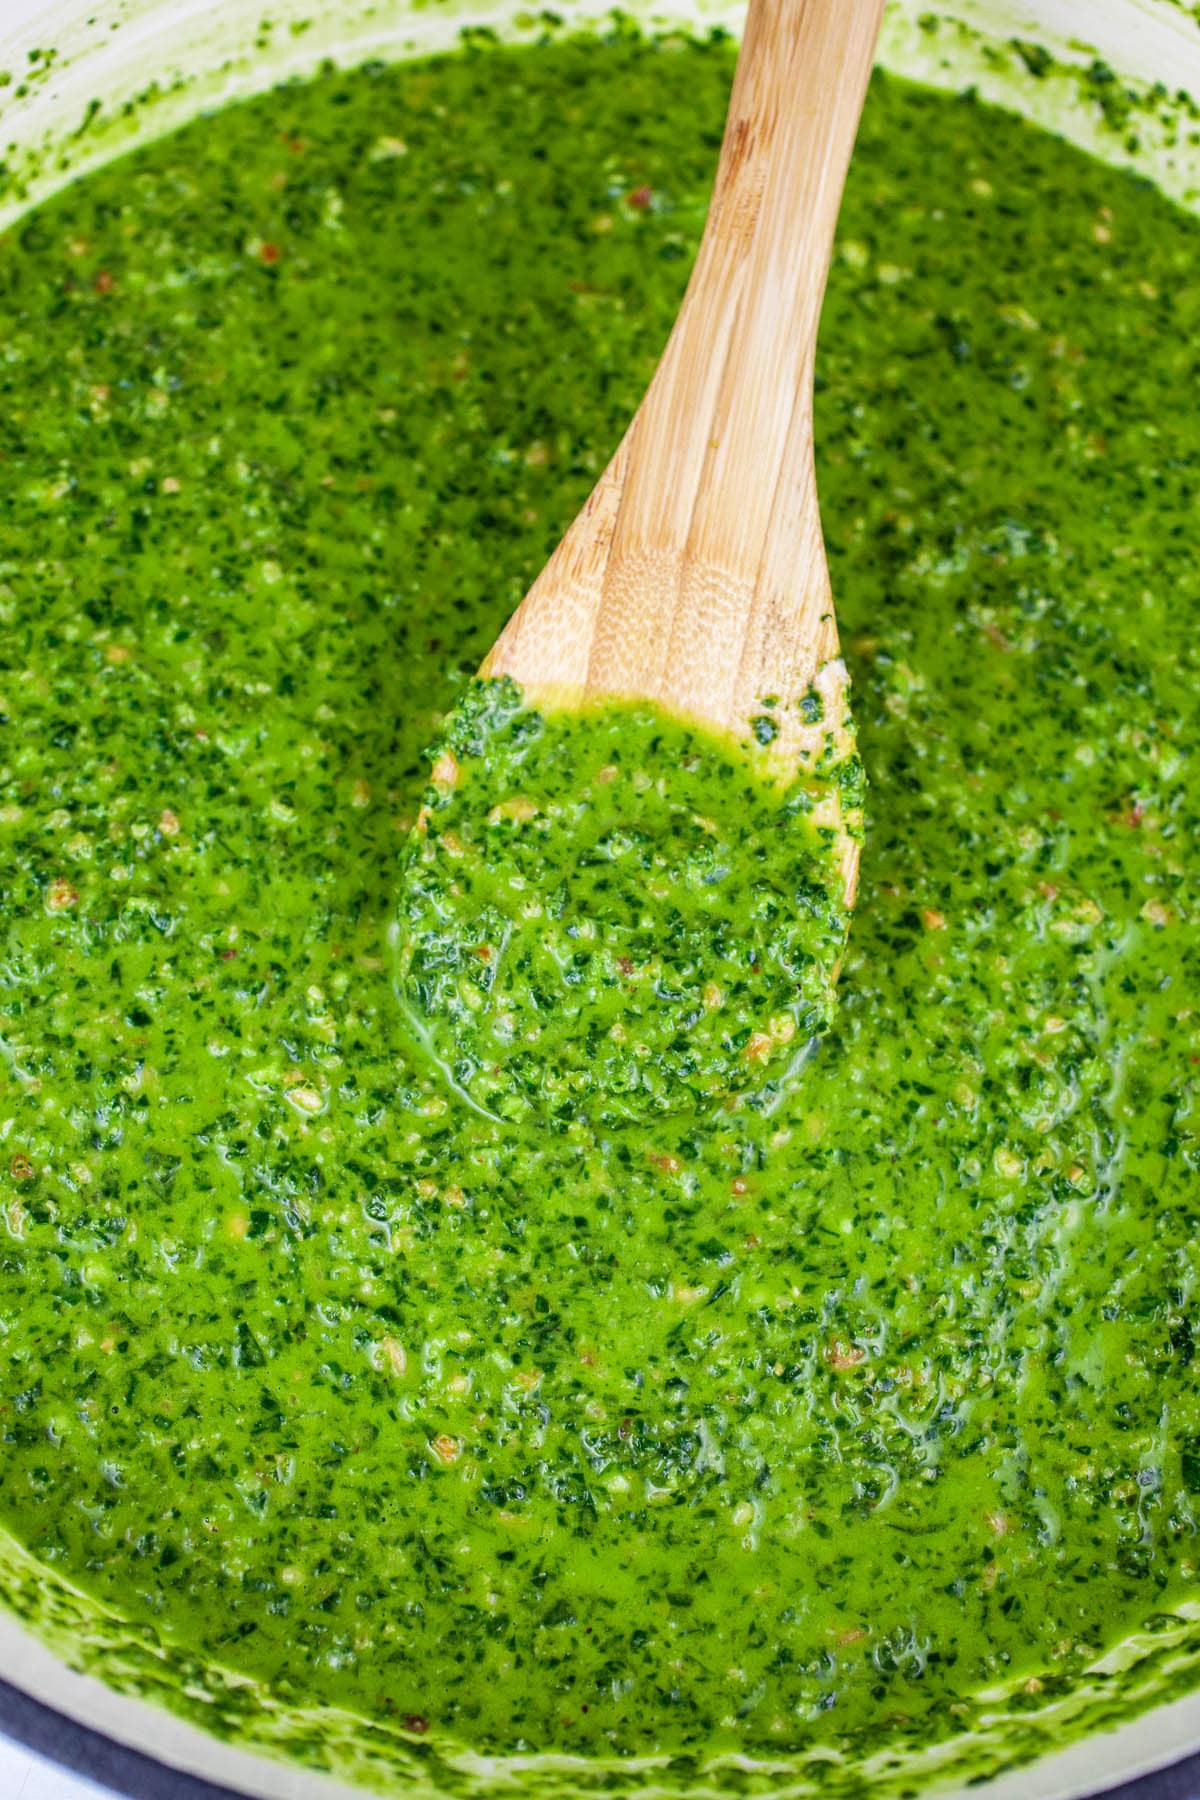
x=112 y=49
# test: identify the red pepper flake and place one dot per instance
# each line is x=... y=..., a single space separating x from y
x=624 y=1428
x=269 y=252
x=228 y=955
x=416 y=1722
x=21 y=1169
x=640 y=199
x=104 y=282
x=60 y=895
x=292 y=141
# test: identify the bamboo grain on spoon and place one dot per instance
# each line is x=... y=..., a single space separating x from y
x=695 y=575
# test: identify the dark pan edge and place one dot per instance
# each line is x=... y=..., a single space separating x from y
x=94 y=1756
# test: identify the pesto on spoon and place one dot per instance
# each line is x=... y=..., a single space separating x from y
x=630 y=887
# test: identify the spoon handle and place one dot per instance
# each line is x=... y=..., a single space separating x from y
x=715 y=584
x=695 y=576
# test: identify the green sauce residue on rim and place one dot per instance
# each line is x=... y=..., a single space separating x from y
x=368 y=1426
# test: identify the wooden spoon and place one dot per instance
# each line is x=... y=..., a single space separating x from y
x=695 y=576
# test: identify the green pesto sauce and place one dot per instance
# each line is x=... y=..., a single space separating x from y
x=772 y=1433
x=613 y=916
